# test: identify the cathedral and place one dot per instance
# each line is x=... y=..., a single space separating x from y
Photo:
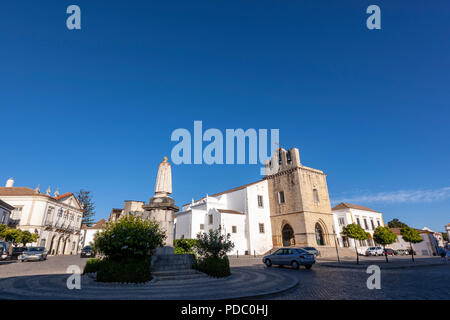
x=290 y=206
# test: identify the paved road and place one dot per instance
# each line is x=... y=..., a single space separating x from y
x=431 y=282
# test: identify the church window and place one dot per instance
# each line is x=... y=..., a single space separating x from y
x=261 y=228
x=260 y=202
x=234 y=229
x=202 y=226
x=281 y=197
x=210 y=219
x=316 y=196
x=280 y=161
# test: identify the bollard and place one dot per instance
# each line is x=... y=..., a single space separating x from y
x=254 y=253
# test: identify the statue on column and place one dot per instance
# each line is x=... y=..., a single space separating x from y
x=161 y=206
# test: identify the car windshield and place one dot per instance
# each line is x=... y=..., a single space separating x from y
x=87 y=248
x=35 y=249
x=302 y=251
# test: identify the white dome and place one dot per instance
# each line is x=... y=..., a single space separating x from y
x=10 y=183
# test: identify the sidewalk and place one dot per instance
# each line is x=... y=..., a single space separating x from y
x=394 y=262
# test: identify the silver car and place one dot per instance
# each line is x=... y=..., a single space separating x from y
x=34 y=253
x=294 y=257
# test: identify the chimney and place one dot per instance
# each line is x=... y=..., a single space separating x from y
x=9 y=183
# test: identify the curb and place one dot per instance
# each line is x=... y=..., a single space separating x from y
x=382 y=266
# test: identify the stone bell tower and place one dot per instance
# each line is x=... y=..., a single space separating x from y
x=300 y=210
x=161 y=206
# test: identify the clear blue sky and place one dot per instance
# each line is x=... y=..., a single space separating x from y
x=95 y=108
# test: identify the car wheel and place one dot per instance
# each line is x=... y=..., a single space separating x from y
x=295 y=265
x=268 y=263
x=308 y=266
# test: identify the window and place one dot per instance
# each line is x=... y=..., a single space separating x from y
x=234 y=229
x=365 y=224
x=378 y=221
x=341 y=221
x=60 y=212
x=260 y=202
x=261 y=228
x=210 y=217
x=316 y=196
x=281 y=197
x=202 y=226
x=17 y=213
x=358 y=222
x=373 y=225
x=280 y=161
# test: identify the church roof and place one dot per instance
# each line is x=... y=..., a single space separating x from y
x=17 y=191
x=99 y=225
x=228 y=191
x=344 y=205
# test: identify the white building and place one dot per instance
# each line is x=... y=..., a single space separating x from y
x=55 y=219
x=447 y=228
x=5 y=212
x=368 y=219
x=87 y=234
x=425 y=248
x=242 y=212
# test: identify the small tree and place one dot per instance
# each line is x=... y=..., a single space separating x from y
x=213 y=244
x=395 y=223
x=384 y=236
x=411 y=235
x=213 y=248
x=14 y=236
x=3 y=231
x=355 y=232
x=28 y=237
x=85 y=199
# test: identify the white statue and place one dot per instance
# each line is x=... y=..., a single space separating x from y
x=163 y=185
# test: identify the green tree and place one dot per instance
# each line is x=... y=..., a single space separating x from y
x=445 y=236
x=3 y=231
x=28 y=237
x=356 y=232
x=384 y=236
x=213 y=244
x=85 y=199
x=129 y=236
x=411 y=235
x=14 y=236
x=395 y=223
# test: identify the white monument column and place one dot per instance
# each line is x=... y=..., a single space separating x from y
x=161 y=206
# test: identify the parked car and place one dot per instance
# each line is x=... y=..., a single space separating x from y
x=3 y=250
x=34 y=253
x=312 y=250
x=401 y=252
x=294 y=257
x=17 y=252
x=87 y=252
x=374 y=251
x=389 y=251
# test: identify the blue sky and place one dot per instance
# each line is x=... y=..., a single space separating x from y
x=95 y=108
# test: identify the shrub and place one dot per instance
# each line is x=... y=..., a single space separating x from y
x=213 y=248
x=92 y=265
x=214 y=266
x=127 y=245
x=184 y=246
x=213 y=244
x=129 y=237
x=130 y=270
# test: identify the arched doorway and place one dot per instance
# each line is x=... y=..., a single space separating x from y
x=52 y=245
x=288 y=236
x=319 y=235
